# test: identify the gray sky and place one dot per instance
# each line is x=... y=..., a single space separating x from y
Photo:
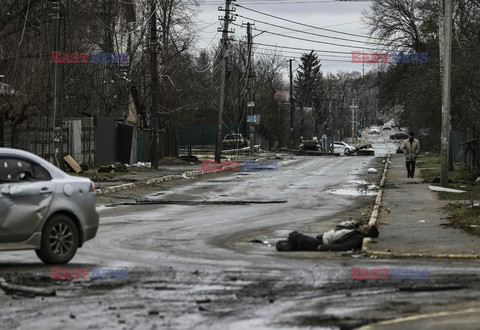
x=335 y=15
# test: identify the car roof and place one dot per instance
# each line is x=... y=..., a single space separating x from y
x=54 y=171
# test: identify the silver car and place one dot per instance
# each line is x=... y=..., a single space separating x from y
x=43 y=208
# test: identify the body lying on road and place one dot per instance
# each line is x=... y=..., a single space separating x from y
x=346 y=236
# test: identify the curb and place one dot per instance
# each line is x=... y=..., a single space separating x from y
x=376 y=207
x=115 y=188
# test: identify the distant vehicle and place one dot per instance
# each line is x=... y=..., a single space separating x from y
x=234 y=141
x=44 y=209
x=374 y=130
x=387 y=126
x=398 y=136
x=341 y=148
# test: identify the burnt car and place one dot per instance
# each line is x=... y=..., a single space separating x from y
x=398 y=136
x=44 y=209
x=311 y=147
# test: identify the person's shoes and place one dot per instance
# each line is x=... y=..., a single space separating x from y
x=283 y=246
x=408 y=175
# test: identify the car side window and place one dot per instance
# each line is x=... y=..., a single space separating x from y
x=19 y=170
x=41 y=174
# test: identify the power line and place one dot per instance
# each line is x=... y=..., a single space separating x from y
x=309 y=40
x=307 y=25
x=278 y=2
x=305 y=49
x=310 y=33
x=298 y=53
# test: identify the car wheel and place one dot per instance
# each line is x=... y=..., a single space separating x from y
x=59 y=241
x=347 y=151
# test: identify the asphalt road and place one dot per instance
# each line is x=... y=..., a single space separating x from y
x=204 y=265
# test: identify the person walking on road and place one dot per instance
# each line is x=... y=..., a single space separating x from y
x=411 y=148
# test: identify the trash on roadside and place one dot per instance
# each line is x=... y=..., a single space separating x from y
x=442 y=189
x=371 y=170
x=72 y=164
x=113 y=168
x=422 y=221
x=373 y=187
x=139 y=164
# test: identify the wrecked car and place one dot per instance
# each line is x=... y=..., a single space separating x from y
x=364 y=150
x=310 y=147
x=44 y=209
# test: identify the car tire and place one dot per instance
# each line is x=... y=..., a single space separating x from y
x=59 y=240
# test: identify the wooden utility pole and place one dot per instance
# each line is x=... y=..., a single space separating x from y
x=223 y=58
x=292 y=109
x=154 y=86
x=57 y=106
x=250 y=101
x=446 y=82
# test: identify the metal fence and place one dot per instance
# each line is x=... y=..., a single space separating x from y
x=37 y=135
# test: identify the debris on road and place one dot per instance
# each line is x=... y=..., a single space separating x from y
x=25 y=290
x=155 y=202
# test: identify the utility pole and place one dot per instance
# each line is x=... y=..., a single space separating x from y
x=223 y=58
x=250 y=101
x=446 y=82
x=154 y=85
x=292 y=109
x=353 y=120
x=57 y=106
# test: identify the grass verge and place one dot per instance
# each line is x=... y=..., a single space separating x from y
x=464 y=210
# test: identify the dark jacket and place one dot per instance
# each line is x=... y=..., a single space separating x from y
x=350 y=241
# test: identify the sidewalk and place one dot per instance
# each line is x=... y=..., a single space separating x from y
x=411 y=220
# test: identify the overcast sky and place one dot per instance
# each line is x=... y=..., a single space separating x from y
x=340 y=16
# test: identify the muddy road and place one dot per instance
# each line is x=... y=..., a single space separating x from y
x=207 y=265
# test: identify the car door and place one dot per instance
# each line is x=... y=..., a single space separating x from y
x=26 y=192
